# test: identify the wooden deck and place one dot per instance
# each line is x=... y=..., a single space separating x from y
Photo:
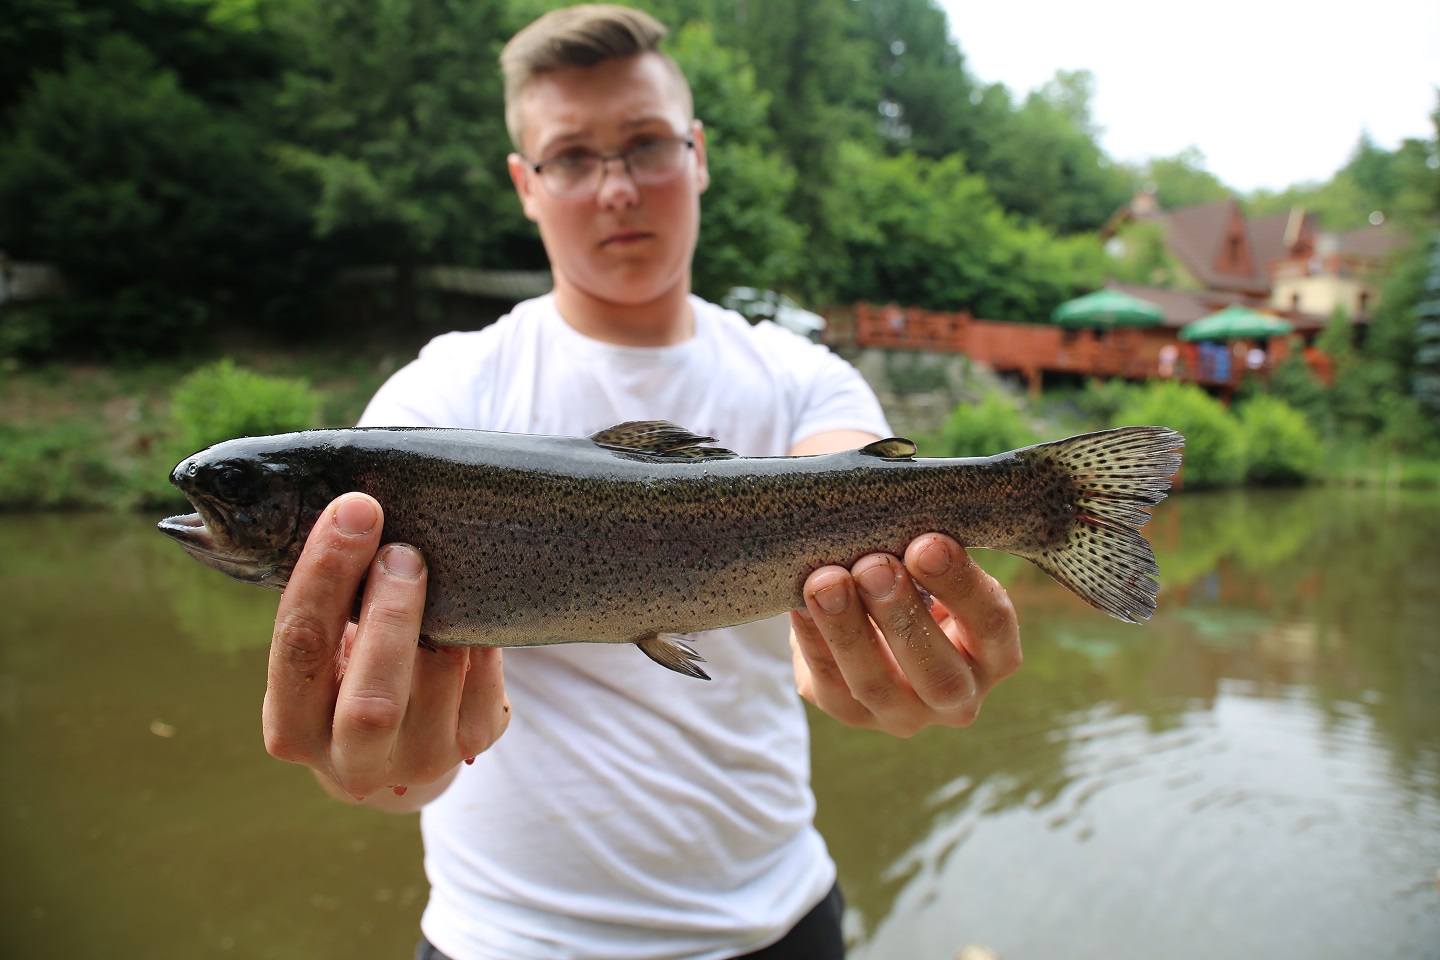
x=1034 y=350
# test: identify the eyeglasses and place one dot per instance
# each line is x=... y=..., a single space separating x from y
x=579 y=173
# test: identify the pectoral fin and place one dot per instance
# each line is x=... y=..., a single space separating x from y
x=670 y=651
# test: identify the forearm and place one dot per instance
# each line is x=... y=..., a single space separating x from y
x=385 y=800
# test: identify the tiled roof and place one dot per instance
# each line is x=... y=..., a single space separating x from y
x=1372 y=242
x=1197 y=236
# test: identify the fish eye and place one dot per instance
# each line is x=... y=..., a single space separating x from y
x=229 y=483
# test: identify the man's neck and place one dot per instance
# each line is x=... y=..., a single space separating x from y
x=662 y=322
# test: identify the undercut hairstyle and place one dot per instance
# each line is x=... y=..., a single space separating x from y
x=580 y=36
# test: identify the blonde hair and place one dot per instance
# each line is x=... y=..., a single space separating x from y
x=579 y=36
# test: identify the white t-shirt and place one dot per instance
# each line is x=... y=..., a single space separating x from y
x=630 y=812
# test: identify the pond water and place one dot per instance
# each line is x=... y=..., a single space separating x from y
x=1256 y=772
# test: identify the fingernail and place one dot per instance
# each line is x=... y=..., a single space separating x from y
x=399 y=791
x=469 y=760
x=878 y=581
x=402 y=561
x=933 y=560
x=832 y=599
x=356 y=516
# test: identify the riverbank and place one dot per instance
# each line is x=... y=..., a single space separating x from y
x=102 y=437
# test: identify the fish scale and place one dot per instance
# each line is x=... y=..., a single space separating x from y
x=642 y=532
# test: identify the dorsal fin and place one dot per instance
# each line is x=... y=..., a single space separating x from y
x=659 y=440
x=892 y=448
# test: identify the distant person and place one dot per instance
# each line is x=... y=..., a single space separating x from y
x=626 y=812
x=1169 y=354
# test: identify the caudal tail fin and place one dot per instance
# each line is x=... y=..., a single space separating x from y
x=1117 y=475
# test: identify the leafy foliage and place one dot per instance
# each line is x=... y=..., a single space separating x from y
x=1280 y=446
x=1046 y=165
x=993 y=426
x=58 y=465
x=221 y=401
x=392 y=110
x=929 y=232
x=745 y=237
x=158 y=208
x=1182 y=180
x=1214 y=443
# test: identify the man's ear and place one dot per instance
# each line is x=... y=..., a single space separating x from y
x=702 y=166
x=524 y=186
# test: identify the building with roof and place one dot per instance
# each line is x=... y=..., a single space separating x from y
x=1285 y=263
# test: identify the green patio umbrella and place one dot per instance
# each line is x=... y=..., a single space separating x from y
x=1107 y=308
x=1236 y=323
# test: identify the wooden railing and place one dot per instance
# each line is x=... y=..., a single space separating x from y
x=1035 y=349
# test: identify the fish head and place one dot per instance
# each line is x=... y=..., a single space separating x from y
x=254 y=506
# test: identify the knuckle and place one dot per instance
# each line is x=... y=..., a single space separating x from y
x=847 y=711
x=476 y=738
x=302 y=639
x=371 y=715
x=1011 y=660
x=284 y=746
x=392 y=616
x=877 y=694
x=999 y=619
x=950 y=689
x=904 y=727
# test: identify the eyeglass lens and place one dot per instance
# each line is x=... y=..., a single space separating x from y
x=648 y=164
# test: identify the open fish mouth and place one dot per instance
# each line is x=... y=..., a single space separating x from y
x=190 y=531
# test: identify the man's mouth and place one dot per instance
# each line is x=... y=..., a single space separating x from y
x=625 y=237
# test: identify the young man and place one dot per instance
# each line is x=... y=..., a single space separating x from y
x=627 y=812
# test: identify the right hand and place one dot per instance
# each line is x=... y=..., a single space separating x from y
x=362 y=704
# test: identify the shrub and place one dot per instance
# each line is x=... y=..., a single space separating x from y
x=1280 y=447
x=993 y=426
x=221 y=401
x=61 y=464
x=1214 y=442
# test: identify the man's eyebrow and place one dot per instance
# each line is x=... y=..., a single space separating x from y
x=587 y=136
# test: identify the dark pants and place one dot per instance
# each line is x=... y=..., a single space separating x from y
x=816 y=937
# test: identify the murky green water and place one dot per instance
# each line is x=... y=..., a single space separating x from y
x=1255 y=773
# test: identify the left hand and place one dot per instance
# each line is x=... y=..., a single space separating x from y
x=911 y=667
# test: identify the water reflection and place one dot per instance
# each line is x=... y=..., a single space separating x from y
x=1255 y=771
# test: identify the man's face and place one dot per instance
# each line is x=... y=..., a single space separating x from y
x=622 y=244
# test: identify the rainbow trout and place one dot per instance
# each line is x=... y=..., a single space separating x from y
x=536 y=540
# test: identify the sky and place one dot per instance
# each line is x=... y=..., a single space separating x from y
x=1273 y=92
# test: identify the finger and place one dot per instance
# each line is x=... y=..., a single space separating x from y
x=428 y=744
x=484 y=707
x=990 y=633
x=936 y=669
x=376 y=689
x=309 y=626
x=870 y=672
x=817 y=676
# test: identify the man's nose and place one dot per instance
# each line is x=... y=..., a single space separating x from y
x=619 y=188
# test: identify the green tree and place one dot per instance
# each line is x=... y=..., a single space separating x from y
x=1182 y=180
x=929 y=232
x=807 y=55
x=927 y=100
x=394 y=110
x=159 y=208
x=745 y=237
x=1044 y=161
x=219 y=49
